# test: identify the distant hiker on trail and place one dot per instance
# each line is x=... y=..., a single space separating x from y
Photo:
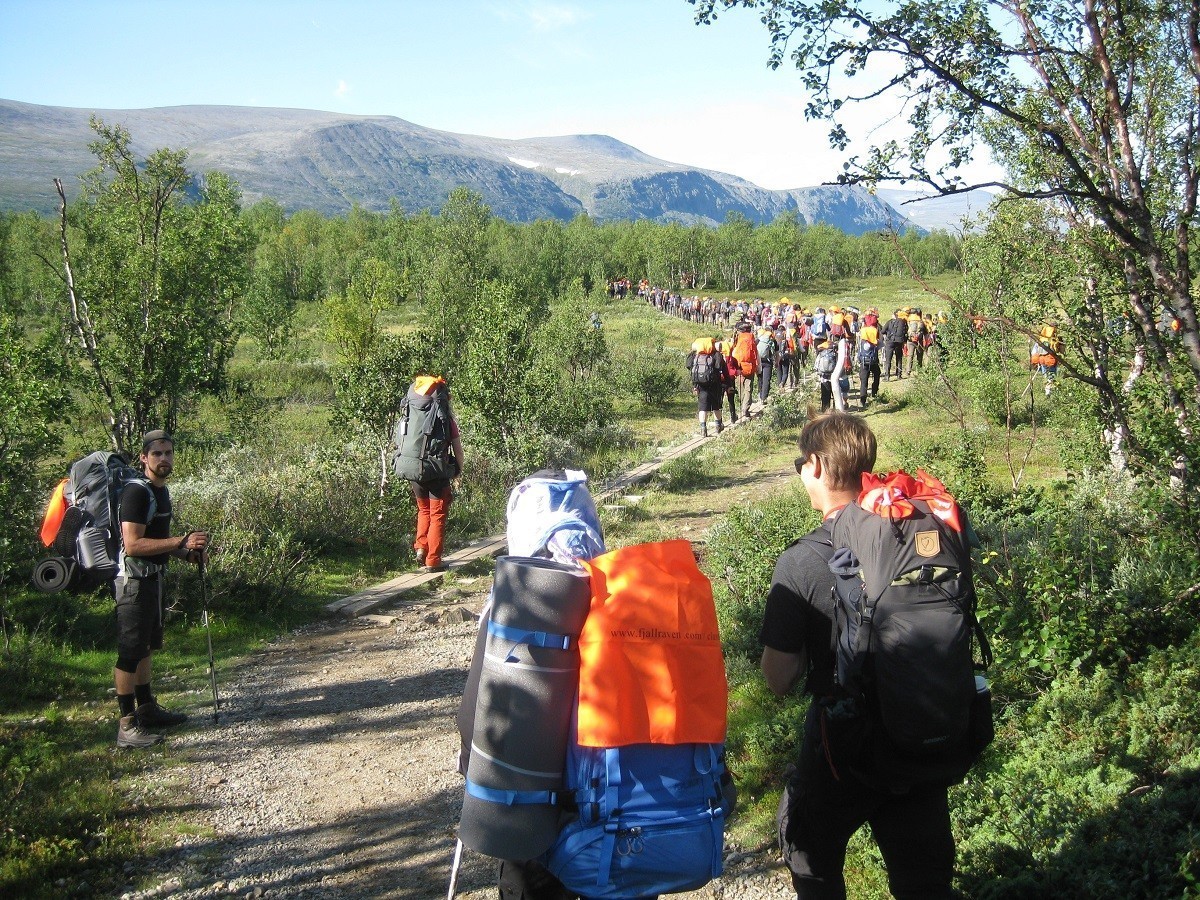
x=1044 y=353
x=824 y=364
x=840 y=341
x=868 y=357
x=428 y=455
x=918 y=337
x=768 y=351
x=824 y=801
x=709 y=380
x=745 y=351
x=731 y=372
x=147 y=547
x=785 y=339
x=895 y=334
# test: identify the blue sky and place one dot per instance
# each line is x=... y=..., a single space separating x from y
x=638 y=70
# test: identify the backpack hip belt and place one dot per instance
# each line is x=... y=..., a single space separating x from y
x=136 y=567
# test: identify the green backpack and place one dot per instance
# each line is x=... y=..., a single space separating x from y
x=423 y=437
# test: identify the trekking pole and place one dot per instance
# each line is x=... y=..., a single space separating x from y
x=212 y=668
x=454 y=869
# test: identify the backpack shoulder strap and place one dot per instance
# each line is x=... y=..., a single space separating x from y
x=145 y=484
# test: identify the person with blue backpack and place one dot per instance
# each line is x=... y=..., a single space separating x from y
x=847 y=774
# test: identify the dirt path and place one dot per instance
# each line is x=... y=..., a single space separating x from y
x=332 y=771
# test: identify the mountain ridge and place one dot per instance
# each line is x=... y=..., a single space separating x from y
x=312 y=159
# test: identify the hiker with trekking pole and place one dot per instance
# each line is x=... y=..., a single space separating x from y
x=146 y=547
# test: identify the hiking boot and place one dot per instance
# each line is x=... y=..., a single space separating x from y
x=437 y=567
x=131 y=736
x=420 y=554
x=703 y=431
x=720 y=426
x=151 y=715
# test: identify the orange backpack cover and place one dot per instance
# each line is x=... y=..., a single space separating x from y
x=54 y=514
x=745 y=351
x=651 y=669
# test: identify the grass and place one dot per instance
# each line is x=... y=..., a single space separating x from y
x=76 y=812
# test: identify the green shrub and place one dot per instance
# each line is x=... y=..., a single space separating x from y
x=684 y=473
x=1090 y=573
x=652 y=372
x=1091 y=791
x=269 y=521
x=742 y=549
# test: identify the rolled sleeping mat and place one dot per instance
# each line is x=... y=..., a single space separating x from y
x=470 y=697
x=55 y=574
x=527 y=686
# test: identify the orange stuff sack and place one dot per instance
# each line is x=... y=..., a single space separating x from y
x=427 y=384
x=651 y=669
x=55 y=510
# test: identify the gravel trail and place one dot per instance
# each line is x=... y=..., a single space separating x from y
x=332 y=771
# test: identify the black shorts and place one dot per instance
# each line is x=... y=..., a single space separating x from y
x=139 y=616
x=709 y=397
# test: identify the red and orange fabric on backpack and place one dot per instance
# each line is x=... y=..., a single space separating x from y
x=651 y=669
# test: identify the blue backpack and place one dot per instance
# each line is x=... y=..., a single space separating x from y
x=651 y=820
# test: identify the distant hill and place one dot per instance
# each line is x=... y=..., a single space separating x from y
x=955 y=213
x=307 y=159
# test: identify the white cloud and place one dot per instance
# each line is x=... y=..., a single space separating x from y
x=342 y=89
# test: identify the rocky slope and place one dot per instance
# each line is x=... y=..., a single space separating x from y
x=307 y=159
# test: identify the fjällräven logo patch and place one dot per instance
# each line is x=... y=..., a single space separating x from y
x=928 y=544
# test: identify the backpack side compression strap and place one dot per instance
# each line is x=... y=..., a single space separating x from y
x=511 y=798
x=534 y=638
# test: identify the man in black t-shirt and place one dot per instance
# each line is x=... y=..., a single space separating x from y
x=822 y=807
x=146 y=547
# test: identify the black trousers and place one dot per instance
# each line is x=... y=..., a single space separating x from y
x=818 y=814
x=867 y=372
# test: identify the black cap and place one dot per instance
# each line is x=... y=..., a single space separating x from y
x=158 y=434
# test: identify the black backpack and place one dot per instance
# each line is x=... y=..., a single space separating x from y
x=910 y=707
x=868 y=353
x=423 y=436
x=704 y=368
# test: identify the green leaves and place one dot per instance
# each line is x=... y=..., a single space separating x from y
x=156 y=279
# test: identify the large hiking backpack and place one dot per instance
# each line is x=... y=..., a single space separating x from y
x=646 y=762
x=705 y=370
x=868 y=353
x=745 y=351
x=826 y=361
x=909 y=708
x=423 y=433
x=766 y=352
x=641 y=795
x=820 y=327
x=87 y=539
x=915 y=326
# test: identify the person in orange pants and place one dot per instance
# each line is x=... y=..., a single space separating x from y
x=429 y=457
x=433 y=504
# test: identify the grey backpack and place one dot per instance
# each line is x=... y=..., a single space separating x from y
x=89 y=537
x=423 y=437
